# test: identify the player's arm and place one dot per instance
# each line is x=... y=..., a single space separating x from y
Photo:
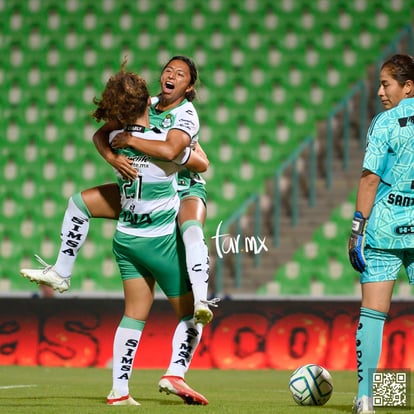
x=198 y=161
x=168 y=150
x=199 y=150
x=194 y=159
x=118 y=161
x=367 y=190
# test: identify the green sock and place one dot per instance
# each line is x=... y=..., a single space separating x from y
x=368 y=347
x=127 y=322
x=78 y=200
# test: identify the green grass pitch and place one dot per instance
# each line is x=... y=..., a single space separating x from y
x=40 y=390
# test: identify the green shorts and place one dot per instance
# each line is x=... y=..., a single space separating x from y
x=191 y=185
x=385 y=264
x=161 y=258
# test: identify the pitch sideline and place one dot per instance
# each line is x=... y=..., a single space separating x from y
x=8 y=387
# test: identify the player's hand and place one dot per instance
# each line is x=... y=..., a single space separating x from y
x=121 y=140
x=124 y=165
x=357 y=241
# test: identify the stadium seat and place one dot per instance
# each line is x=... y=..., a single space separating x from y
x=11 y=169
x=11 y=250
x=323 y=262
x=259 y=67
x=293 y=280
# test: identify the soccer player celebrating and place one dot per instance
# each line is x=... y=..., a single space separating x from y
x=173 y=113
x=382 y=238
x=146 y=245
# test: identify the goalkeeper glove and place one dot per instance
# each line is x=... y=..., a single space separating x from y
x=356 y=242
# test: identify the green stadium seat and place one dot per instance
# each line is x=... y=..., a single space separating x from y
x=323 y=262
x=11 y=250
x=293 y=280
x=339 y=278
x=18 y=95
x=13 y=18
x=28 y=227
x=15 y=282
x=260 y=68
x=30 y=186
x=96 y=267
x=12 y=168
x=54 y=12
x=216 y=183
x=109 y=279
x=264 y=154
x=323 y=268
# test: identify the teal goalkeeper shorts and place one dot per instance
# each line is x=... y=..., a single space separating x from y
x=385 y=264
x=191 y=185
x=161 y=258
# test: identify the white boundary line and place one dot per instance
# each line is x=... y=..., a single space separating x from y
x=9 y=387
x=334 y=392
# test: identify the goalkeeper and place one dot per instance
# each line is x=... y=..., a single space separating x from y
x=382 y=238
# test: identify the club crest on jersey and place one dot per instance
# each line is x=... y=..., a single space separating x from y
x=167 y=121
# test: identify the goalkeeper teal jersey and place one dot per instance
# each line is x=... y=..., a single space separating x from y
x=150 y=203
x=390 y=155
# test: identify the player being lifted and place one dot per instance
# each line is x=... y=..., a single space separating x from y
x=174 y=114
x=146 y=244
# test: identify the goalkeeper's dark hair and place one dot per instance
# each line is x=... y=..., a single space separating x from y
x=191 y=95
x=124 y=98
x=401 y=67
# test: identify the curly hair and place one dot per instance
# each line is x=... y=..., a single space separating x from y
x=124 y=98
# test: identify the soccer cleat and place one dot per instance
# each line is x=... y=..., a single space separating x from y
x=115 y=399
x=176 y=385
x=47 y=276
x=363 y=405
x=202 y=312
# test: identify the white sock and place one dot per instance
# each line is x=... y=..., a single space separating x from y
x=186 y=338
x=197 y=259
x=75 y=227
x=126 y=341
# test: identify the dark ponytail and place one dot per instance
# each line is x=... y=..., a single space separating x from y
x=401 y=68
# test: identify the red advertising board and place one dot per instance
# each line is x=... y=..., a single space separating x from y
x=243 y=335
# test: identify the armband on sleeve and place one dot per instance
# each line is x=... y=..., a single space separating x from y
x=183 y=157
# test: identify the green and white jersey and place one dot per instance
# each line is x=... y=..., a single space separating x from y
x=149 y=204
x=185 y=118
x=390 y=155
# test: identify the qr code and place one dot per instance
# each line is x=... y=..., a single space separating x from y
x=390 y=389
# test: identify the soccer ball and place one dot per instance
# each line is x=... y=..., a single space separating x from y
x=311 y=384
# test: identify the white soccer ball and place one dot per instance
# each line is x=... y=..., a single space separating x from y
x=311 y=384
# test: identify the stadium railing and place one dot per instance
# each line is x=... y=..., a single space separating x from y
x=354 y=107
x=234 y=222
x=289 y=183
